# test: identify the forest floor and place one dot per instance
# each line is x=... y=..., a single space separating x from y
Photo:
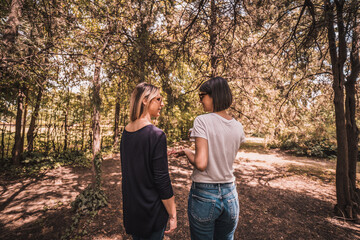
x=281 y=197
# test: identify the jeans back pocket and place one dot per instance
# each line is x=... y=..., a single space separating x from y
x=202 y=209
x=234 y=208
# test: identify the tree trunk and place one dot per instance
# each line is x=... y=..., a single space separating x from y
x=96 y=109
x=47 y=139
x=66 y=120
x=83 y=126
x=16 y=152
x=351 y=127
x=143 y=52
x=13 y=22
x=117 y=116
x=3 y=142
x=344 y=204
x=8 y=139
x=34 y=116
x=96 y=145
x=352 y=138
x=213 y=38
x=24 y=126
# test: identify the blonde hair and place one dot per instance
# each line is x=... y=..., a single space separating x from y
x=142 y=91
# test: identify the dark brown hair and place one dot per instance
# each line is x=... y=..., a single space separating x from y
x=219 y=90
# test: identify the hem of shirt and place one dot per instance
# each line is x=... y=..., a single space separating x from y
x=213 y=181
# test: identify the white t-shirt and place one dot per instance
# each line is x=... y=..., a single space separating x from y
x=224 y=138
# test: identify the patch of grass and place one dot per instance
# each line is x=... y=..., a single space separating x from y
x=312 y=147
x=254 y=147
x=37 y=163
x=312 y=172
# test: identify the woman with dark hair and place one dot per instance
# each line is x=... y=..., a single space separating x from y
x=213 y=205
x=148 y=199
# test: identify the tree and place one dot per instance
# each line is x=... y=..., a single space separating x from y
x=339 y=48
x=9 y=39
x=346 y=129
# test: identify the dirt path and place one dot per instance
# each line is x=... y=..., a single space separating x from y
x=40 y=208
x=277 y=201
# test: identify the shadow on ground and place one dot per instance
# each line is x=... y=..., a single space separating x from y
x=266 y=212
x=40 y=208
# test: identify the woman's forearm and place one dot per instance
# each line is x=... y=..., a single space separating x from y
x=171 y=209
x=190 y=155
x=170 y=206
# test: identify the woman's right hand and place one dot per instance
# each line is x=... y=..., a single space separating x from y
x=176 y=153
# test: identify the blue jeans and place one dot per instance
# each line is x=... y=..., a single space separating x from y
x=213 y=211
x=159 y=235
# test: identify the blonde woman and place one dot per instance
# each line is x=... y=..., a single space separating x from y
x=148 y=199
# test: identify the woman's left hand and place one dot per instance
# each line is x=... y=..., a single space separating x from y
x=172 y=225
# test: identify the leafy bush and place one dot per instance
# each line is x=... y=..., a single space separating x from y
x=36 y=163
x=74 y=158
x=87 y=204
x=89 y=201
x=306 y=145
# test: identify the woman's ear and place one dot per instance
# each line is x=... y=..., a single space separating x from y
x=145 y=101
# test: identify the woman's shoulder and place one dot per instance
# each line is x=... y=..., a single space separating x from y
x=133 y=128
x=203 y=117
x=153 y=130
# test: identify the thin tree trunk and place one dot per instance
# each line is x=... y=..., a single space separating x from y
x=96 y=109
x=117 y=116
x=34 y=116
x=24 y=126
x=96 y=146
x=351 y=127
x=8 y=141
x=9 y=37
x=16 y=152
x=143 y=52
x=344 y=204
x=13 y=22
x=213 y=38
x=83 y=126
x=3 y=142
x=47 y=133
x=66 y=120
x=54 y=136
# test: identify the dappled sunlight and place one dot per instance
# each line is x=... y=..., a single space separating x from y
x=275 y=203
x=26 y=202
x=272 y=170
x=275 y=157
x=115 y=174
x=309 y=187
x=339 y=222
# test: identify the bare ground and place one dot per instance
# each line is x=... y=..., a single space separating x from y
x=280 y=198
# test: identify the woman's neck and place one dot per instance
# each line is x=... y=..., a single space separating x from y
x=224 y=114
x=145 y=118
x=139 y=123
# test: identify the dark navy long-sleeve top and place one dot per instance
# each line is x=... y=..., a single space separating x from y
x=145 y=180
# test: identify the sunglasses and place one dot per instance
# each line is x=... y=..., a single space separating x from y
x=202 y=95
x=159 y=99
